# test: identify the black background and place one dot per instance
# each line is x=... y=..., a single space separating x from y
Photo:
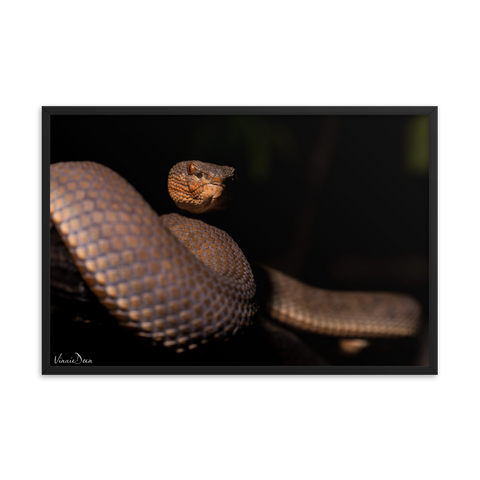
x=328 y=200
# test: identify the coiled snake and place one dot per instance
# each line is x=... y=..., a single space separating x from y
x=181 y=282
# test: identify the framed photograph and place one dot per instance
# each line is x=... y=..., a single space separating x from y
x=338 y=198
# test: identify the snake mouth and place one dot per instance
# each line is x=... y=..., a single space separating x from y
x=208 y=184
x=214 y=182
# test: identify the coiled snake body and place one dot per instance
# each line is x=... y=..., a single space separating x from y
x=181 y=282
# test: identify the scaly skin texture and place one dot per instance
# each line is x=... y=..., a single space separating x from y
x=181 y=282
x=343 y=314
x=148 y=280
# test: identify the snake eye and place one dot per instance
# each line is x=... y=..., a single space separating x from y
x=190 y=168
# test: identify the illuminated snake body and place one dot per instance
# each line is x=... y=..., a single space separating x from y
x=181 y=282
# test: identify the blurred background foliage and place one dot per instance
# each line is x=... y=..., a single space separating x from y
x=417 y=145
x=256 y=138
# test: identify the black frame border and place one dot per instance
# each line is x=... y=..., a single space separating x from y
x=432 y=369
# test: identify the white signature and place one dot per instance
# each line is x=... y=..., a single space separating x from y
x=78 y=360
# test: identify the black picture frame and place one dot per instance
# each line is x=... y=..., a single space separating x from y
x=49 y=111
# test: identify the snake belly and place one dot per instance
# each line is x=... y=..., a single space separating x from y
x=146 y=278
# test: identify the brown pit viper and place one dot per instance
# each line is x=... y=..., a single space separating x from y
x=181 y=282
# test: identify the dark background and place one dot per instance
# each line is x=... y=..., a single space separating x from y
x=337 y=202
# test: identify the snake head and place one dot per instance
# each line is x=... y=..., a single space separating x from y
x=200 y=187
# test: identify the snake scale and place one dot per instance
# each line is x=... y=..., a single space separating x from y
x=181 y=282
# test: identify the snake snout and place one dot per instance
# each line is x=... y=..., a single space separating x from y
x=217 y=181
